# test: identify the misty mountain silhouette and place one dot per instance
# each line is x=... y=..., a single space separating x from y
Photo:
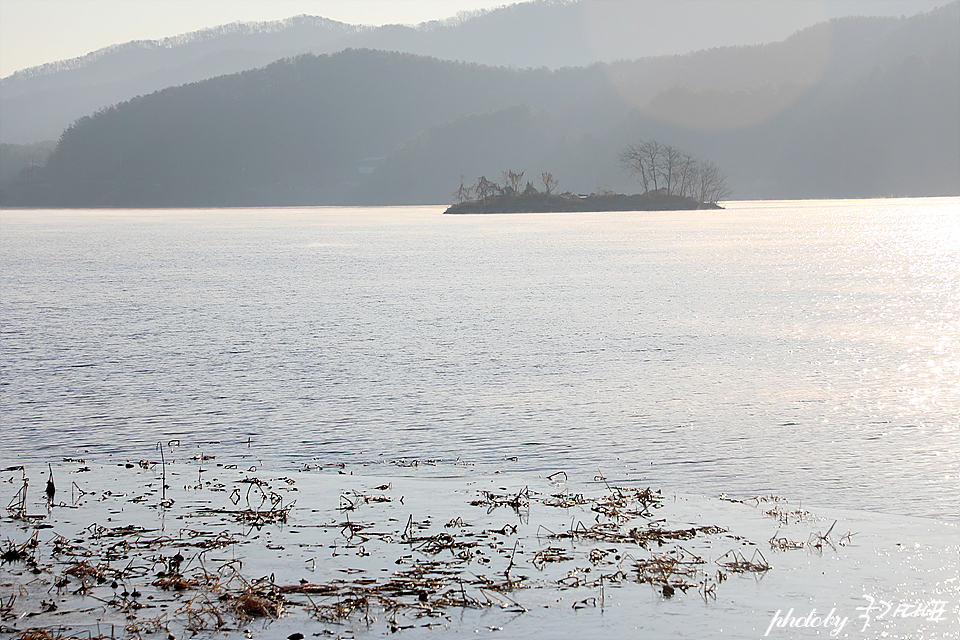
x=38 y=103
x=829 y=112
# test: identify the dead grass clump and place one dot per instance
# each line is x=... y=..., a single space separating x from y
x=353 y=600
x=62 y=546
x=548 y=555
x=493 y=500
x=309 y=588
x=17 y=507
x=625 y=503
x=127 y=530
x=647 y=498
x=250 y=604
x=51 y=633
x=13 y=552
x=784 y=544
x=175 y=583
x=343 y=609
x=421 y=590
x=257 y=518
x=197 y=579
x=736 y=563
x=670 y=571
x=207 y=541
x=600 y=531
x=354 y=499
x=565 y=500
x=457 y=597
x=220 y=598
x=203 y=615
x=655 y=534
x=755 y=500
x=440 y=542
x=141 y=627
x=785 y=516
x=819 y=540
x=84 y=569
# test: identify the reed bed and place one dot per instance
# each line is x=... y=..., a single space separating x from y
x=193 y=561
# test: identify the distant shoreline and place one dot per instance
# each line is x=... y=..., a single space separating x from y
x=543 y=203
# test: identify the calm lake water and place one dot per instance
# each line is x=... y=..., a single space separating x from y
x=808 y=349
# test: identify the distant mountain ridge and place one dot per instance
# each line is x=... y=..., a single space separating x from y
x=39 y=103
x=315 y=24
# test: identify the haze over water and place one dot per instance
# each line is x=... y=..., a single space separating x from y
x=809 y=349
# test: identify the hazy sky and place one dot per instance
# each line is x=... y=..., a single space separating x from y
x=33 y=32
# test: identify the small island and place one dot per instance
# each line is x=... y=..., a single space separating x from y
x=540 y=202
x=672 y=181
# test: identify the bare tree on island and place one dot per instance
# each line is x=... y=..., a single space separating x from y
x=485 y=188
x=642 y=160
x=688 y=172
x=512 y=181
x=671 y=171
x=710 y=184
x=549 y=182
x=463 y=193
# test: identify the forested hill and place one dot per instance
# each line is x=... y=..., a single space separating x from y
x=305 y=130
x=830 y=112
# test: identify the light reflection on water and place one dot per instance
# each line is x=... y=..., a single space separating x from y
x=810 y=349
